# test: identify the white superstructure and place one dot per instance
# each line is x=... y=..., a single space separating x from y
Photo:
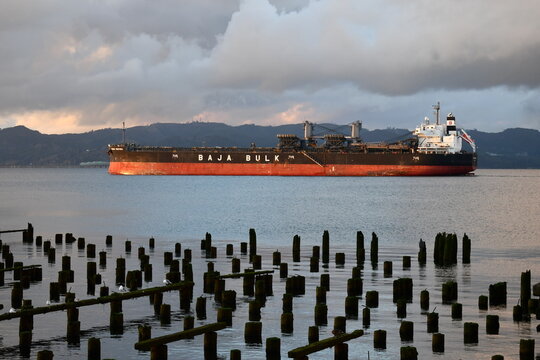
x=441 y=138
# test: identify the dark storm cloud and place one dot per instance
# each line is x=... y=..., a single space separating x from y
x=93 y=64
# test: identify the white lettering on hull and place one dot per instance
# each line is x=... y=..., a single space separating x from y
x=248 y=158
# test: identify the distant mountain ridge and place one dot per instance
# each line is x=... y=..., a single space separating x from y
x=19 y=146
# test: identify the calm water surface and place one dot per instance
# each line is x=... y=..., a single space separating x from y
x=498 y=209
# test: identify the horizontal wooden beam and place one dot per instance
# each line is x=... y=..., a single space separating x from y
x=20 y=267
x=100 y=300
x=146 y=345
x=239 y=275
x=323 y=344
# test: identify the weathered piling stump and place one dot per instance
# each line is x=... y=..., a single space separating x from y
x=148 y=273
x=219 y=288
x=387 y=269
x=432 y=322
x=296 y=248
x=497 y=294
x=374 y=250
x=248 y=284
x=313 y=264
x=39 y=240
x=159 y=352
x=457 y=311
x=151 y=243
x=482 y=302
x=526 y=349
x=403 y=289
x=287 y=303
x=254 y=310
x=283 y=270
x=200 y=308
x=449 y=292
x=224 y=314
x=228 y=299
x=437 y=343
x=54 y=291
x=354 y=286
x=120 y=271
x=243 y=248
x=525 y=290
x=340 y=259
x=320 y=295
x=424 y=299
x=406 y=331
x=316 y=252
x=116 y=323
x=273 y=348
x=91 y=251
x=257 y=262
x=341 y=351
x=73 y=330
x=235 y=354
x=326 y=247
x=422 y=253
x=497 y=357
x=351 y=307
x=408 y=353
x=260 y=291
x=517 y=313
x=276 y=258
x=470 y=333
x=406 y=262
x=287 y=323
x=321 y=314
x=492 y=324
x=235 y=265
x=81 y=242
x=401 y=308
x=356 y=272
x=340 y=325
x=102 y=259
x=252 y=332
x=51 y=256
x=16 y=295
x=466 y=248
x=45 y=355
x=372 y=299
x=252 y=244
x=94 y=349
x=157 y=301
x=366 y=317
x=108 y=240
x=127 y=246
x=165 y=314
x=379 y=339
x=325 y=281
x=313 y=334
x=145 y=332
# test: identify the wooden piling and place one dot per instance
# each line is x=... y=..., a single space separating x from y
x=257 y=262
x=525 y=290
x=437 y=343
x=45 y=355
x=94 y=349
x=403 y=289
x=321 y=314
x=228 y=299
x=158 y=352
x=252 y=332
x=127 y=246
x=492 y=324
x=224 y=314
x=366 y=317
x=432 y=322
x=235 y=354
x=408 y=353
x=296 y=248
x=351 y=307
x=340 y=259
x=254 y=311
x=283 y=270
x=276 y=258
x=466 y=248
x=200 y=308
x=449 y=292
x=340 y=325
x=354 y=286
x=341 y=351
x=165 y=314
x=424 y=300
x=273 y=348
x=387 y=269
x=406 y=262
x=497 y=294
x=287 y=303
x=325 y=281
x=372 y=299
x=145 y=332
x=16 y=295
x=313 y=334
x=379 y=339
x=287 y=323
x=482 y=302
x=91 y=251
x=320 y=295
x=326 y=247
x=457 y=311
x=313 y=264
x=80 y=242
x=401 y=308
x=406 y=331
x=108 y=240
x=360 y=250
x=526 y=349
x=252 y=244
x=470 y=333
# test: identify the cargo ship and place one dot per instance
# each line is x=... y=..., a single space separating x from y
x=434 y=149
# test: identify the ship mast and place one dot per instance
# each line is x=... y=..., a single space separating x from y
x=437 y=107
x=123 y=132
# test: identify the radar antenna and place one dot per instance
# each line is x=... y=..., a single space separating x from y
x=437 y=107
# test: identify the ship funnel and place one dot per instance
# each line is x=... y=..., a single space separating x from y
x=355 y=130
x=308 y=130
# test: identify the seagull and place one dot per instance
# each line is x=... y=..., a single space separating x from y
x=167 y=282
x=121 y=288
x=48 y=302
x=12 y=311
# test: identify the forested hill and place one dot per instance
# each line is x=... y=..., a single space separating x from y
x=20 y=146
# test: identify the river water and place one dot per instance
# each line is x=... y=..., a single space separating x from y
x=498 y=209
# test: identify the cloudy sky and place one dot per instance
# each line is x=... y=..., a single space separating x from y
x=74 y=66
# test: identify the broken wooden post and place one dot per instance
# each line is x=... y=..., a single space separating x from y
x=252 y=332
x=326 y=247
x=302 y=352
x=94 y=349
x=406 y=331
x=273 y=348
x=437 y=343
x=296 y=248
x=379 y=339
x=470 y=333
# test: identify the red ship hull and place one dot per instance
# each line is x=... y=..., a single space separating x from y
x=270 y=169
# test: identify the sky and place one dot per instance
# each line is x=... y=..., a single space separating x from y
x=77 y=66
